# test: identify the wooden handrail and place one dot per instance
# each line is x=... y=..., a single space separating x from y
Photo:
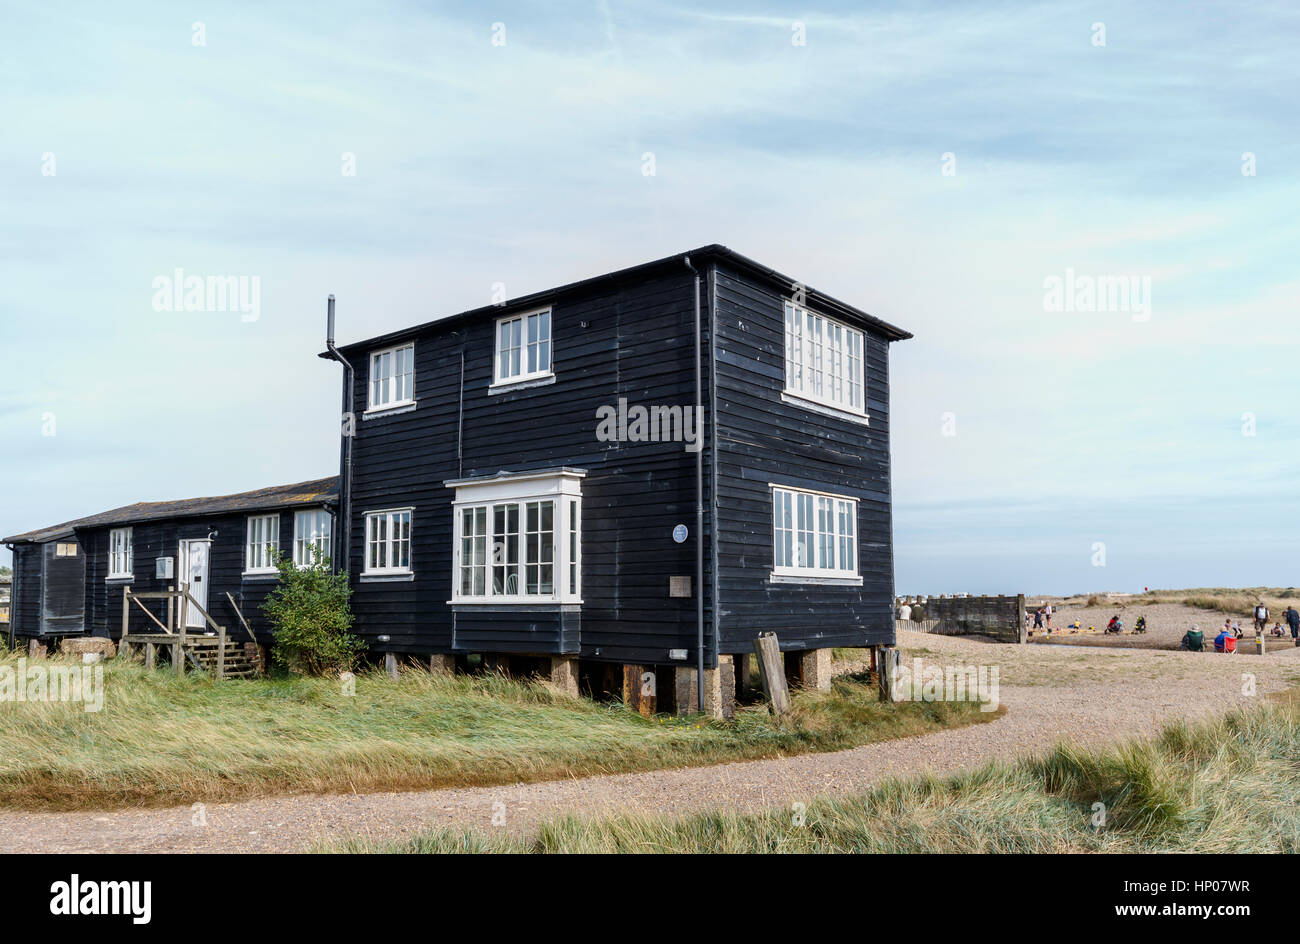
x=239 y=613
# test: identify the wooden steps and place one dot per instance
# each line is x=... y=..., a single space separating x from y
x=238 y=664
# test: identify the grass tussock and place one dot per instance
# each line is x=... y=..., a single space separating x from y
x=162 y=739
x=1224 y=785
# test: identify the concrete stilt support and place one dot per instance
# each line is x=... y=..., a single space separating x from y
x=564 y=674
x=815 y=670
x=35 y=649
x=726 y=686
x=715 y=705
x=442 y=664
x=390 y=664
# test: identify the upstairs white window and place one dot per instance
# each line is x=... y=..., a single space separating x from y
x=523 y=347
x=119 y=553
x=518 y=538
x=388 y=542
x=392 y=377
x=813 y=534
x=823 y=361
x=311 y=537
x=263 y=546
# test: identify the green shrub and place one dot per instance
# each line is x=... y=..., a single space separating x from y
x=311 y=616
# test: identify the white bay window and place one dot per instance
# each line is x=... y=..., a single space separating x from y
x=518 y=538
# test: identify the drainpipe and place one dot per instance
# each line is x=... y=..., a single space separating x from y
x=699 y=505
x=345 y=481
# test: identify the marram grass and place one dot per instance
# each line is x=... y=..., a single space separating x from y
x=1225 y=785
x=164 y=740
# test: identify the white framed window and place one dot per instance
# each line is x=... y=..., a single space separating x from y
x=311 y=536
x=523 y=347
x=63 y=549
x=814 y=534
x=119 y=553
x=262 y=548
x=392 y=377
x=518 y=538
x=824 y=361
x=388 y=541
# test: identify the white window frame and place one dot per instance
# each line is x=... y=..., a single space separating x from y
x=267 y=548
x=819 y=370
x=392 y=384
x=828 y=524
x=392 y=544
x=564 y=490
x=120 y=551
x=523 y=375
x=310 y=520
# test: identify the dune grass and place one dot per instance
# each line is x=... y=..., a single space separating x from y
x=1225 y=785
x=163 y=740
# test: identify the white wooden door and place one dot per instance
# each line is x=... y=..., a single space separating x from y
x=194 y=571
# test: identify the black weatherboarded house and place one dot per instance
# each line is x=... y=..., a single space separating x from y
x=70 y=578
x=613 y=469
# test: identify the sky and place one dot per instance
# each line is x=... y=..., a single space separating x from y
x=938 y=165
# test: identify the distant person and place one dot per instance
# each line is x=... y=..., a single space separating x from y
x=1292 y=617
x=1236 y=630
x=1277 y=630
x=1141 y=625
x=1047 y=615
x=1221 y=640
x=1261 y=616
x=1192 y=640
x=905 y=613
x=1115 y=625
x=1038 y=618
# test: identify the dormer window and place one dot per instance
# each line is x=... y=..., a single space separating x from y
x=523 y=347
x=392 y=378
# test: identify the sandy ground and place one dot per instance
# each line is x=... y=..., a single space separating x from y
x=1166 y=624
x=1052 y=693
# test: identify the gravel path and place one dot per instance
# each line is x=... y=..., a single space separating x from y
x=1051 y=693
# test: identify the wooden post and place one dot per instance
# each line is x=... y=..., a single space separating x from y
x=171 y=610
x=1260 y=644
x=640 y=693
x=221 y=653
x=180 y=630
x=888 y=662
x=771 y=667
x=390 y=664
x=742 y=676
x=149 y=655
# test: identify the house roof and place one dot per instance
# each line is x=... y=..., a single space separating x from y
x=816 y=299
x=314 y=492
